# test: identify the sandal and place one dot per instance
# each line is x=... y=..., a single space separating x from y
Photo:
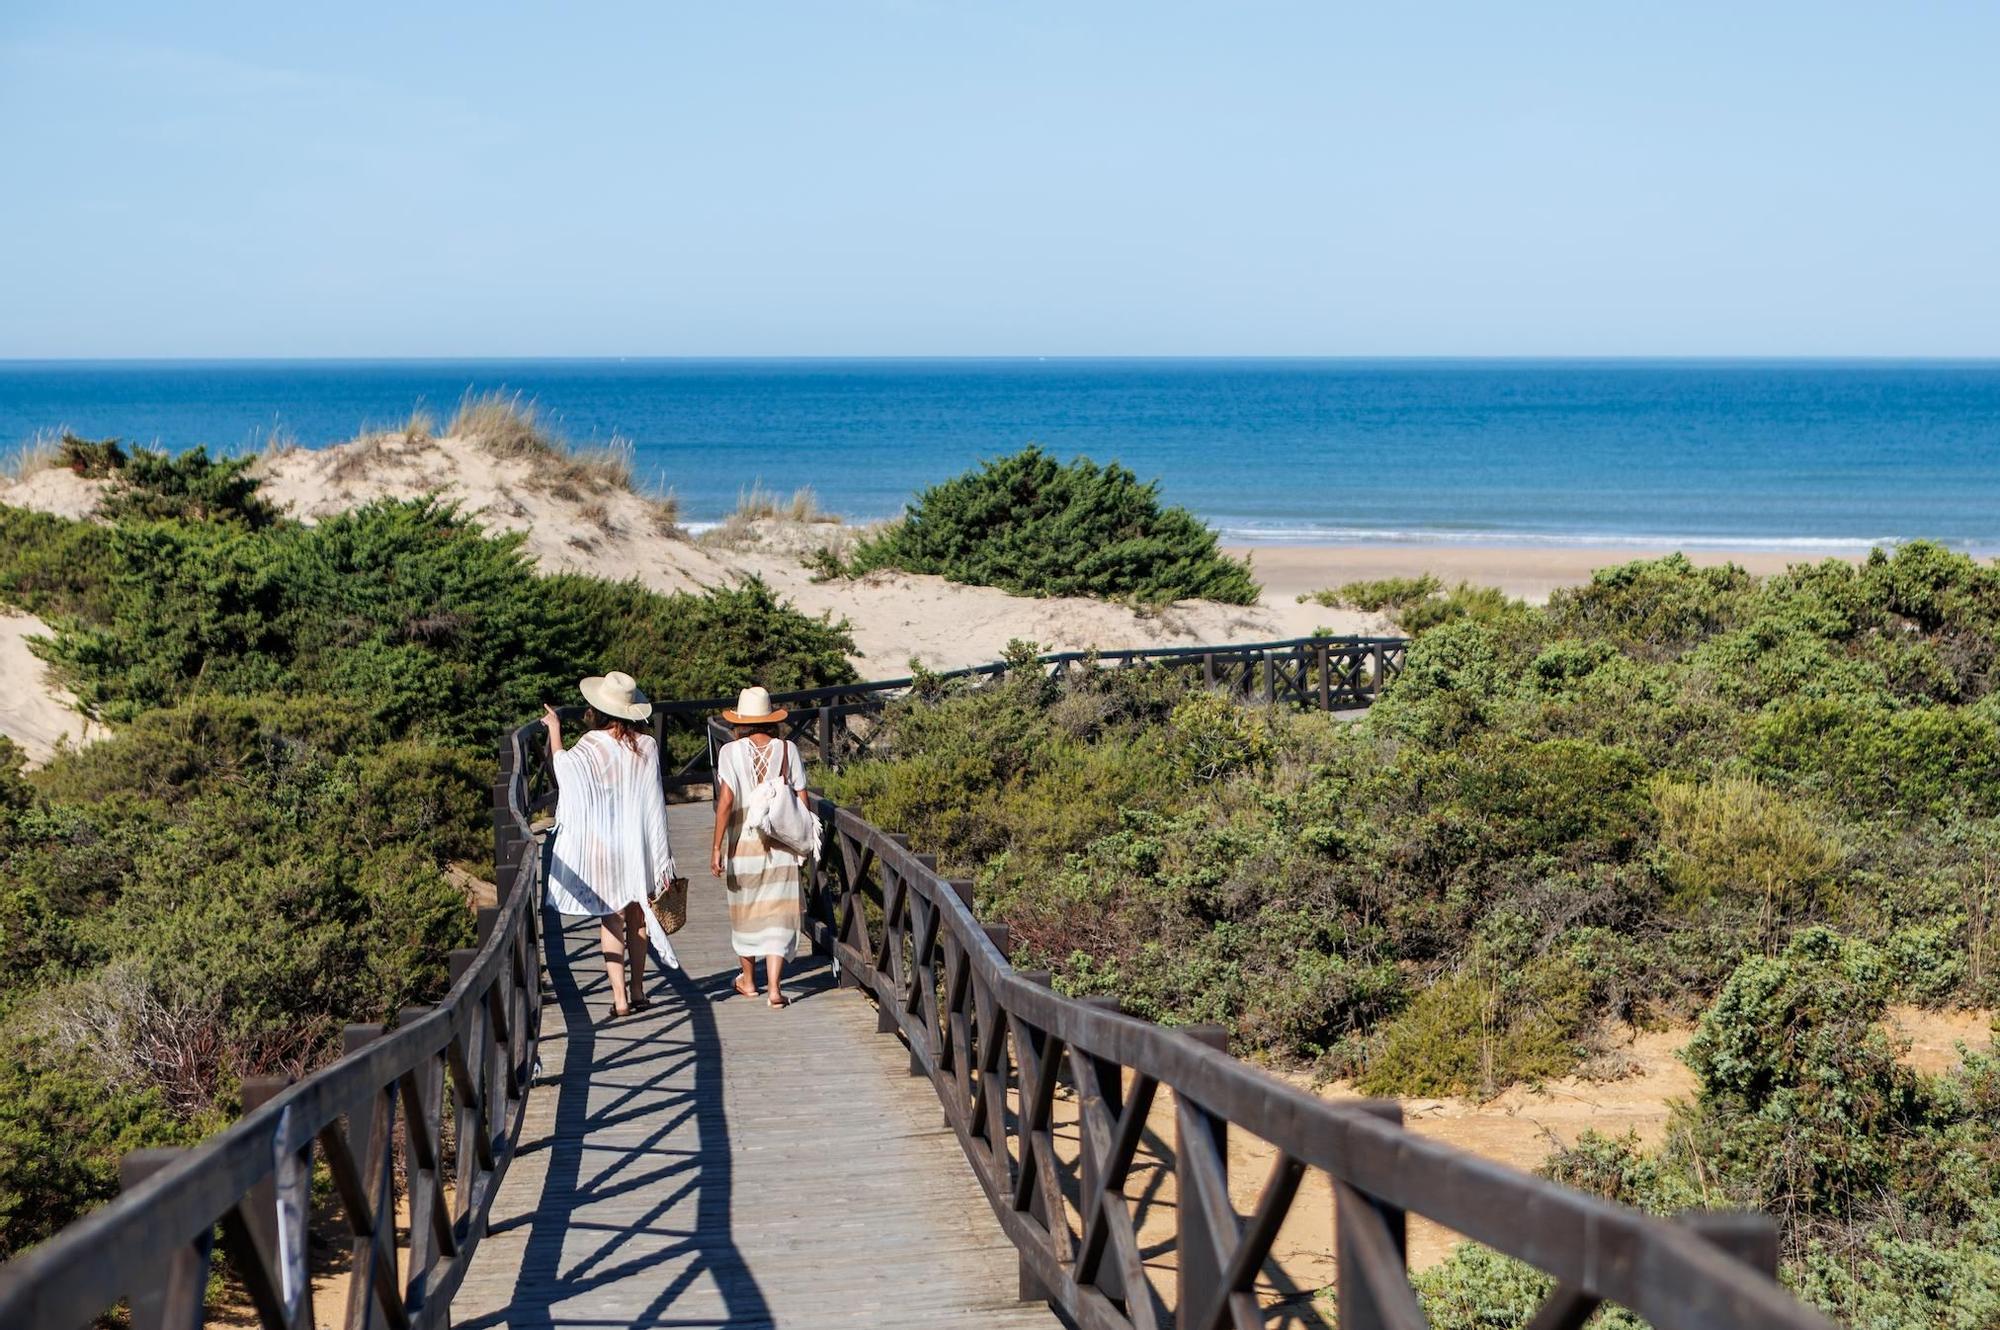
x=780 y=1001
x=741 y=991
x=616 y=1014
x=642 y=1003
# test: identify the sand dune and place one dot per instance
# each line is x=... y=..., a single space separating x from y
x=613 y=532
x=34 y=712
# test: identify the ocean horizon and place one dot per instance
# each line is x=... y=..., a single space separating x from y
x=1724 y=453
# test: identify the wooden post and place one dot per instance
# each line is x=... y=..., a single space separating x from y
x=1110 y=1078
x=504 y=830
x=1270 y=678
x=1031 y=1288
x=370 y=1128
x=1325 y=677
x=1197 y=1272
x=826 y=735
x=260 y=1204
x=422 y=1173
x=465 y=1108
x=1359 y=1308
x=171 y=1297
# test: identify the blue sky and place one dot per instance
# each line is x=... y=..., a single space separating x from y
x=1023 y=178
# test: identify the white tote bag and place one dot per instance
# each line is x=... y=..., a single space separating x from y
x=772 y=809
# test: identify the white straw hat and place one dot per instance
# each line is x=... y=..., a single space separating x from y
x=616 y=694
x=753 y=707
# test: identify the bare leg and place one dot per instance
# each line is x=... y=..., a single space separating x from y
x=635 y=947
x=609 y=931
x=746 y=983
x=774 y=969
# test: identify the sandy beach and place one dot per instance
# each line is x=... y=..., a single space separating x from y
x=1527 y=571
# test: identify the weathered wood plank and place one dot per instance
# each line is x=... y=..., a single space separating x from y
x=715 y=1162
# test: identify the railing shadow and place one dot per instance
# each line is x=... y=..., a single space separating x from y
x=668 y=1068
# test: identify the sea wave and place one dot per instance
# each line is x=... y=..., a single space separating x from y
x=1255 y=534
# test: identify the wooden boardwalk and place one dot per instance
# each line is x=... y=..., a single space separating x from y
x=713 y=1162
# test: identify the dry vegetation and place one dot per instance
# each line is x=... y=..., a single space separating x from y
x=757 y=507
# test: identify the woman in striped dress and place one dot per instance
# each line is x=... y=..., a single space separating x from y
x=765 y=903
x=611 y=854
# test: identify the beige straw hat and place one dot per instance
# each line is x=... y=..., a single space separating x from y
x=753 y=707
x=615 y=694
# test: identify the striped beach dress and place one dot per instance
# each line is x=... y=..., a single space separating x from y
x=766 y=907
x=611 y=832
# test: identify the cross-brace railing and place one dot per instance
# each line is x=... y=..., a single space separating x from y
x=442 y=1093
x=1001 y=1047
x=838 y=723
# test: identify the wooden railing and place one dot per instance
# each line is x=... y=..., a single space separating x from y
x=997 y=1043
x=835 y=724
x=444 y=1090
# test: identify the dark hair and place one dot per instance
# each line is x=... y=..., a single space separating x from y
x=626 y=732
x=744 y=729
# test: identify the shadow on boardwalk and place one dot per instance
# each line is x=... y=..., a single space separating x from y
x=632 y=1200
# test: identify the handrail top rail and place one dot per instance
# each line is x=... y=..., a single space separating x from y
x=685 y=706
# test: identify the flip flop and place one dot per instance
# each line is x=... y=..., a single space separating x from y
x=780 y=1002
x=741 y=991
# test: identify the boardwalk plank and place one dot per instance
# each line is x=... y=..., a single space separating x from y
x=713 y=1162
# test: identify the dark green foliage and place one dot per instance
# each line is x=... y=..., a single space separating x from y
x=93 y=459
x=54 y=567
x=192 y=486
x=1030 y=525
x=62 y=1133
x=304 y=720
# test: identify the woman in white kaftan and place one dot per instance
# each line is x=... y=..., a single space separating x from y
x=611 y=854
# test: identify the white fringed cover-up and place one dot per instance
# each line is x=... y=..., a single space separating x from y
x=766 y=907
x=611 y=832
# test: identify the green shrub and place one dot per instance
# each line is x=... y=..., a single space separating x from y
x=1654 y=608
x=1033 y=526
x=191 y=486
x=62 y=1133
x=1482 y=1029
x=1736 y=840
x=1389 y=593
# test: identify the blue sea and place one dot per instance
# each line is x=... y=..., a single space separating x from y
x=1733 y=453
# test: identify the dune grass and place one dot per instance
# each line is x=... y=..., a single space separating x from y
x=38 y=454
x=509 y=426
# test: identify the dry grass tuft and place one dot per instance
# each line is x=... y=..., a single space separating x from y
x=509 y=426
x=41 y=453
x=598 y=516
x=666 y=514
x=758 y=504
x=278 y=442
x=352 y=461
x=504 y=424
x=420 y=427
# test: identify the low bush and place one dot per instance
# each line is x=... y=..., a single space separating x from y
x=1389 y=593
x=1034 y=526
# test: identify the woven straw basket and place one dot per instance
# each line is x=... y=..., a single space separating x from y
x=671 y=905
